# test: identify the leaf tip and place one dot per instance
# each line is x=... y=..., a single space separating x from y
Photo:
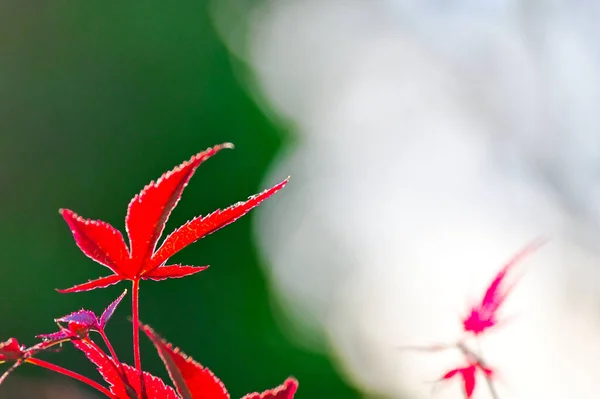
x=65 y=213
x=291 y=382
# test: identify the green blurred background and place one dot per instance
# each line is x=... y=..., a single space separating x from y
x=97 y=100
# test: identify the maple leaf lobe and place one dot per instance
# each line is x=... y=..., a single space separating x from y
x=101 y=282
x=149 y=210
x=98 y=240
x=83 y=317
x=287 y=390
x=110 y=310
x=199 y=227
x=191 y=379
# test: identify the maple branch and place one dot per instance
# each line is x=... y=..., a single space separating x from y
x=135 y=315
x=491 y=387
x=72 y=374
x=488 y=380
x=110 y=348
x=10 y=370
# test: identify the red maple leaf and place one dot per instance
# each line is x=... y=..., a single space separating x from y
x=194 y=381
x=146 y=217
x=125 y=382
x=483 y=315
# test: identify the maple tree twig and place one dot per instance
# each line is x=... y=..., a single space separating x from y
x=430 y=348
x=488 y=380
x=136 y=319
x=491 y=386
x=72 y=374
x=109 y=346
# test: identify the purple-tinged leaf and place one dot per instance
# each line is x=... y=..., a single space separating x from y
x=80 y=323
x=108 y=312
x=84 y=317
x=58 y=336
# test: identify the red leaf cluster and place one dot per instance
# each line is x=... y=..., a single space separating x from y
x=146 y=217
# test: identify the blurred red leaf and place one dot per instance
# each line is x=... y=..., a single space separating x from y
x=483 y=315
x=468 y=375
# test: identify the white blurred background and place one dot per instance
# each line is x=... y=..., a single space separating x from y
x=433 y=140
